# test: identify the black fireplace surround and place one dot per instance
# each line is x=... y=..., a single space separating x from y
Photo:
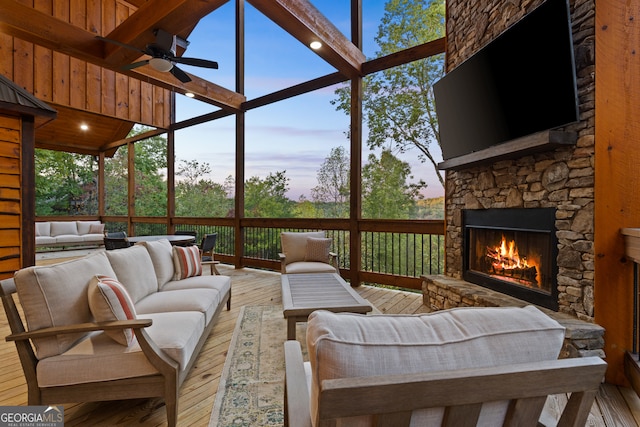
x=512 y=251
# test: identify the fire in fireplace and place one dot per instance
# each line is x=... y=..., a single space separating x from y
x=513 y=251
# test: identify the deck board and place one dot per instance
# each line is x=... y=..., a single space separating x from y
x=614 y=406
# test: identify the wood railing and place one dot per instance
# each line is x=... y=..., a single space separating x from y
x=393 y=252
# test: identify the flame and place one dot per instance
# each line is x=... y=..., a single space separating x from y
x=506 y=256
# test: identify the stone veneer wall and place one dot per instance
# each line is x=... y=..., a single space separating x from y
x=562 y=178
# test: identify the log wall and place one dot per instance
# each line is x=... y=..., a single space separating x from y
x=10 y=195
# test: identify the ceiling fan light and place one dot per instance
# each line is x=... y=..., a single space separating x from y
x=161 y=64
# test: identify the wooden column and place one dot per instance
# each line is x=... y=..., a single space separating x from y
x=617 y=160
x=240 y=139
x=355 y=202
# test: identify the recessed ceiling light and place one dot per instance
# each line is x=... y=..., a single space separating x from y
x=84 y=126
x=189 y=95
x=315 y=45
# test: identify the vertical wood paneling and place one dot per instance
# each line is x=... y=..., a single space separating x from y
x=146 y=96
x=616 y=179
x=61 y=73
x=43 y=71
x=122 y=95
x=6 y=55
x=158 y=105
x=23 y=64
x=94 y=88
x=134 y=100
x=78 y=68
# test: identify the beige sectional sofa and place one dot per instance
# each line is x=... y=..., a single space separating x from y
x=69 y=233
x=79 y=355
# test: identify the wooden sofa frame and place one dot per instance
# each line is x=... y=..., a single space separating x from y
x=165 y=384
x=392 y=398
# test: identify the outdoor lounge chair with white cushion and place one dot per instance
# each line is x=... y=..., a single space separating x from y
x=307 y=252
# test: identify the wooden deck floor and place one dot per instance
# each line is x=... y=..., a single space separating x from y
x=615 y=406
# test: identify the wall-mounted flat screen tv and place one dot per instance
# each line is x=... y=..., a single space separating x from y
x=522 y=82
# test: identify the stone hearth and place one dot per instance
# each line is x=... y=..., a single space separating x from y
x=582 y=339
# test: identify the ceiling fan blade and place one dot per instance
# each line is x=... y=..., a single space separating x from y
x=195 y=62
x=180 y=75
x=135 y=65
x=128 y=46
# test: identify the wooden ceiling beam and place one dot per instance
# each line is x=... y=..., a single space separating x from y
x=304 y=22
x=31 y=25
x=175 y=17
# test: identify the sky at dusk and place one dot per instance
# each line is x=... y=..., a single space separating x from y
x=294 y=135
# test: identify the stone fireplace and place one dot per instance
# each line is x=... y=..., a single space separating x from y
x=558 y=179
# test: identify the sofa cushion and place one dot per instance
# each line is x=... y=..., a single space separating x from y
x=43 y=229
x=161 y=254
x=43 y=240
x=64 y=227
x=108 y=301
x=294 y=244
x=99 y=358
x=221 y=284
x=318 y=249
x=84 y=227
x=186 y=262
x=134 y=269
x=56 y=295
x=69 y=238
x=205 y=301
x=344 y=345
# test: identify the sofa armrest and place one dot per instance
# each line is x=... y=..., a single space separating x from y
x=81 y=327
x=296 y=392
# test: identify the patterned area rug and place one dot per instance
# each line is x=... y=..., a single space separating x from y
x=251 y=388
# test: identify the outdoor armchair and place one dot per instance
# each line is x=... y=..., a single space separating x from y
x=307 y=252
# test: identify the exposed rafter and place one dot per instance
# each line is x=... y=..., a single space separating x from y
x=34 y=26
x=304 y=22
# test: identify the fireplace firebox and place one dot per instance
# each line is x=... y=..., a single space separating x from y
x=512 y=251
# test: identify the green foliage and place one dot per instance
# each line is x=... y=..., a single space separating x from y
x=65 y=183
x=385 y=191
x=150 y=162
x=197 y=196
x=332 y=191
x=398 y=103
x=266 y=198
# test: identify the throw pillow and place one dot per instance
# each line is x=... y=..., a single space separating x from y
x=186 y=262
x=109 y=301
x=96 y=229
x=318 y=249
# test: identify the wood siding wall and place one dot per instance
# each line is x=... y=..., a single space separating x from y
x=59 y=79
x=617 y=180
x=10 y=195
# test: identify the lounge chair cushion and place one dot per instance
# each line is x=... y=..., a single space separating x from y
x=56 y=295
x=309 y=267
x=345 y=345
x=294 y=244
x=161 y=254
x=108 y=301
x=134 y=269
x=186 y=262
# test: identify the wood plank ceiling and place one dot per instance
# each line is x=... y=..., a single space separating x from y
x=298 y=17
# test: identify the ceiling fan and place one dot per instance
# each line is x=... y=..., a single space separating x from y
x=163 y=56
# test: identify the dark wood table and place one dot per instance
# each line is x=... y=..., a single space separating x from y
x=302 y=294
x=174 y=239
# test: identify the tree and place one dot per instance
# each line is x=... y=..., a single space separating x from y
x=398 y=103
x=150 y=162
x=198 y=196
x=385 y=191
x=65 y=183
x=333 y=184
x=266 y=198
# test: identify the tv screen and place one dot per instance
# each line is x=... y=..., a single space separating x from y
x=522 y=82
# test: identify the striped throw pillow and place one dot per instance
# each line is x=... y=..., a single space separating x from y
x=186 y=262
x=109 y=301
